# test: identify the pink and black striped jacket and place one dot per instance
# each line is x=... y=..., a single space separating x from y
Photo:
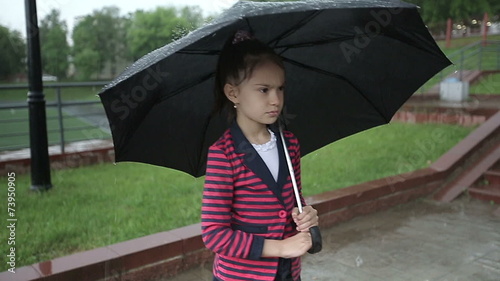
x=243 y=205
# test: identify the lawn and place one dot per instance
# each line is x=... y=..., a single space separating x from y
x=487 y=85
x=458 y=43
x=15 y=122
x=67 y=94
x=98 y=205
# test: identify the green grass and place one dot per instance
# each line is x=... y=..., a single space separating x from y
x=458 y=43
x=384 y=151
x=67 y=94
x=487 y=85
x=99 y=205
x=15 y=121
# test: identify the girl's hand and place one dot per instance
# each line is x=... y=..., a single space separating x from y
x=291 y=247
x=296 y=245
x=307 y=219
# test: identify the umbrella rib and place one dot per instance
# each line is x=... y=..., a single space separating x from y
x=294 y=28
x=198 y=52
x=199 y=81
x=314 y=43
x=328 y=73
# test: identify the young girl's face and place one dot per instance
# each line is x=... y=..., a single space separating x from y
x=259 y=98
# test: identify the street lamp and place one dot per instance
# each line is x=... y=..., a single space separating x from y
x=40 y=164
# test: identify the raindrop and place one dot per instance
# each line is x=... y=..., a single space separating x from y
x=359 y=261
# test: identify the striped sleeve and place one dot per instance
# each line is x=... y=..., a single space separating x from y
x=217 y=233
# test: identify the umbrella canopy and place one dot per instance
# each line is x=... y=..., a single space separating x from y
x=350 y=65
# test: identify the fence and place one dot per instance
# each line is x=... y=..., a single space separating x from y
x=74 y=113
x=476 y=56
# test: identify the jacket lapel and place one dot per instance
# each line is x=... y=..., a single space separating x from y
x=254 y=162
x=283 y=170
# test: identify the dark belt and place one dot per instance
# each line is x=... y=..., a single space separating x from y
x=284 y=271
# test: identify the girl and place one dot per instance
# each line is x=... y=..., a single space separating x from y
x=249 y=218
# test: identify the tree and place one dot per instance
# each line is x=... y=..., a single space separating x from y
x=13 y=54
x=100 y=36
x=54 y=45
x=436 y=12
x=88 y=61
x=151 y=30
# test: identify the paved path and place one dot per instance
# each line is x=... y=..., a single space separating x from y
x=418 y=241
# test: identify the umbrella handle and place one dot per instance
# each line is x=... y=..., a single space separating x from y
x=317 y=241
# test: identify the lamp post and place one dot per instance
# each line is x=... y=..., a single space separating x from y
x=40 y=164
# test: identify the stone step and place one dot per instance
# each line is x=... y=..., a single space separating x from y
x=486 y=194
x=469 y=177
x=492 y=176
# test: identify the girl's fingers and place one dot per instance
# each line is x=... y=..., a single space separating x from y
x=307 y=219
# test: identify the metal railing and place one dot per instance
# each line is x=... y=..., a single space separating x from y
x=476 y=56
x=69 y=118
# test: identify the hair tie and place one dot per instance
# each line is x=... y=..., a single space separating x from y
x=242 y=35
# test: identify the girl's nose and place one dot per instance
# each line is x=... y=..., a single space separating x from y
x=275 y=98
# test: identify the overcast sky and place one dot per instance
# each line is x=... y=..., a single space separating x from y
x=12 y=11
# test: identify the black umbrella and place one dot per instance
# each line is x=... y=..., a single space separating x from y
x=350 y=65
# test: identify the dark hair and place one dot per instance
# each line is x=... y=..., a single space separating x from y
x=236 y=63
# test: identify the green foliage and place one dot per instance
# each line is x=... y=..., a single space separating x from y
x=54 y=46
x=105 y=38
x=88 y=63
x=436 y=12
x=13 y=52
x=100 y=37
x=150 y=30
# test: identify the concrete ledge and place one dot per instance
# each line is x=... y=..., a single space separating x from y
x=165 y=254
x=484 y=136
x=344 y=204
x=77 y=155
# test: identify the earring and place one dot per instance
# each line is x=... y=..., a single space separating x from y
x=235 y=106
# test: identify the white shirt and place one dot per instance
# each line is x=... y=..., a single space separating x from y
x=269 y=153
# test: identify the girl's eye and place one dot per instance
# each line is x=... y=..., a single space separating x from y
x=264 y=90
x=282 y=88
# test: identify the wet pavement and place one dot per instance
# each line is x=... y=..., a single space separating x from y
x=419 y=241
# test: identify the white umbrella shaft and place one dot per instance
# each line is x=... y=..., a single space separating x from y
x=290 y=170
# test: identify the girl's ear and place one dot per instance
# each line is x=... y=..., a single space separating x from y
x=231 y=93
